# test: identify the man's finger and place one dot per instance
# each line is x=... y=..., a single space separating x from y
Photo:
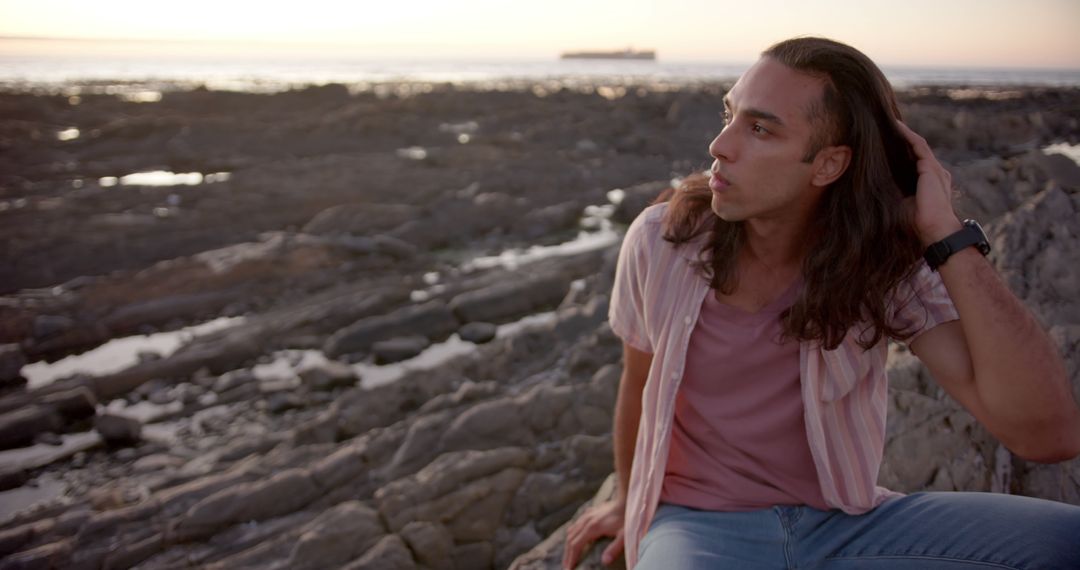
x=613 y=550
x=571 y=555
x=575 y=542
x=918 y=143
x=568 y=558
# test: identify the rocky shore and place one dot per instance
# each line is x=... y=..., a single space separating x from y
x=405 y=361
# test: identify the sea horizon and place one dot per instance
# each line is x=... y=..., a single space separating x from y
x=264 y=73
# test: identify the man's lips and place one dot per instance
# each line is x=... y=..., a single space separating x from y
x=717 y=182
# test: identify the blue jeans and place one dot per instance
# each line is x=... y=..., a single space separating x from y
x=920 y=531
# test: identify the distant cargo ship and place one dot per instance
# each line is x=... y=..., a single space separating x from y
x=622 y=54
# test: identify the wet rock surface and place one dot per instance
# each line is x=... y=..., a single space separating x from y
x=344 y=238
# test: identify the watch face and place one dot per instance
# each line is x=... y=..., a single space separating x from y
x=983 y=245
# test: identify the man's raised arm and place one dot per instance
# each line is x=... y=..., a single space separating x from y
x=997 y=361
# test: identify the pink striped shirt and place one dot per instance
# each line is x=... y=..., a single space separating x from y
x=654 y=306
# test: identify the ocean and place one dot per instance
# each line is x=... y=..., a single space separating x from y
x=52 y=73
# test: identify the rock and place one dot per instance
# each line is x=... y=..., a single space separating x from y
x=279 y=402
x=636 y=199
x=422 y=442
x=19 y=428
x=339 y=535
x=14 y=539
x=934 y=445
x=81 y=337
x=509 y=300
x=218 y=353
x=449 y=220
x=10 y=479
x=467 y=489
x=544 y=493
x=360 y=219
x=189 y=393
x=1064 y=170
x=344 y=465
x=233 y=379
x=158 y=311
x=327 y=376
x=11 y=362
x=390 y=553
x=432 y=320
x=548 y=554
x=431 y=544
x=157 y=462
x=590 y=455
x=75 y=404
x=478 y=555
x=512 y=544
x=118 y=430
x=46 y=326
x=1053 y=482
x=494 y=423
x=398 y=349
x=586 y=146
x=131 y=554
x=477 y=332
x=322 y=429
x=1037 y=249
x=468 y=391
x=51 y=555
x=398 y=249
x=48 y=438
x=543 y=222
x=162 y=396
x=147 y=356
x=283 y=493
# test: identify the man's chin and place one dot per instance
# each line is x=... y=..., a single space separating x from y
x=725 y=212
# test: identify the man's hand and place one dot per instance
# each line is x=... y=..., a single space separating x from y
x=935 y=219
x=605 y=519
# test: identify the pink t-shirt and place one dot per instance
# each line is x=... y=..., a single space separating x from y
x=738 y=442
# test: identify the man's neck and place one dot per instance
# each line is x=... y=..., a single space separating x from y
x=779 y=243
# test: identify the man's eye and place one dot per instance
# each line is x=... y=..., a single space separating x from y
x=758 y=129
x=726 y=116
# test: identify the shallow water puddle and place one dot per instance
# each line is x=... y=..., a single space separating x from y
x=286 y=363
x=412 y=153
x=598 y=233
x=372 y=375
x=40 y=454
x=1070 y=150
x=120 y=353
x=164 y=178
x=44 y=488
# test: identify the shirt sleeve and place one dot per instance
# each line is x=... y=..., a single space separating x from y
x=922 y=303
x=626 y=313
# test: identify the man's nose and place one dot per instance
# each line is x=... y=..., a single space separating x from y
x=721 y=147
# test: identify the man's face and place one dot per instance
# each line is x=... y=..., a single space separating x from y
x=759 y=171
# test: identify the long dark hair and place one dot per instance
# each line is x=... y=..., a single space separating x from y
x=864 y=244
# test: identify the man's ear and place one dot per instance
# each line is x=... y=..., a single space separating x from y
x=830 y=163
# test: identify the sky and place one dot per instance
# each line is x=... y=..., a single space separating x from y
x=950 y=33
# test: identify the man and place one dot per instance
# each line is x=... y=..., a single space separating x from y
x=755 y=307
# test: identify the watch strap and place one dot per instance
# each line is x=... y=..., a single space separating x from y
x=969 y=235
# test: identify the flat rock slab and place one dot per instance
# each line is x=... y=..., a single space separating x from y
x=398 y=349
x=478 y=332
x=43 y=454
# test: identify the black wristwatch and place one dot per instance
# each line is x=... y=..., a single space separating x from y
x=971 y=234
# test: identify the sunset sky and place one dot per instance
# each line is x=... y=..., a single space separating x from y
x=984 y=33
